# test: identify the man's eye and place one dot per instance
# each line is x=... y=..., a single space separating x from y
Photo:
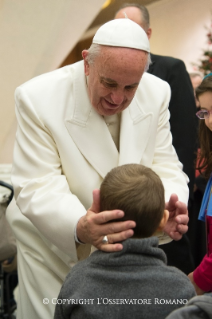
x=131 y=88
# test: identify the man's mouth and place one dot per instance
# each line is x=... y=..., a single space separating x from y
x=112 y=105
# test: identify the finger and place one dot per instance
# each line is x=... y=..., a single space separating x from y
x=114 y=241
x=172 y=202
x=182 y=219
x=116 y=228
x=109 y=248
x=182 y=229
x=175 y=235
x=181 y=208
x=106 y=216
x=95 y=207
x=119 y=237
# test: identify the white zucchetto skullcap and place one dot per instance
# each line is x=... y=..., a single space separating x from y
x=122 y=33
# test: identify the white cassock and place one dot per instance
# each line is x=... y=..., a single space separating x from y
x=63 y=151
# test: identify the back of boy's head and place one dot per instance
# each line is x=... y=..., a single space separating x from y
x=139 y=192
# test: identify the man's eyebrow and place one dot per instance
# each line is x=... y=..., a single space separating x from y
x=102 y=78
x=108 y=80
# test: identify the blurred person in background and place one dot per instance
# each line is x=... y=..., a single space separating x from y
x=196 y=79
x=183 y=126
x=201 y=277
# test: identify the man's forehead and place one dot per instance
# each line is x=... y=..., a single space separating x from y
x=122 y=63
x=113 y=52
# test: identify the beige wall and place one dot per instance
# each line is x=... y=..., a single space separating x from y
x=35 y=37
x=179 y=28
x=5 y=172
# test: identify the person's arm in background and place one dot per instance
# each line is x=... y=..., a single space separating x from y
x=201 y=277
x=183 y=120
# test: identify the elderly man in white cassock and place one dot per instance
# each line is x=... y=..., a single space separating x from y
x=74 y=125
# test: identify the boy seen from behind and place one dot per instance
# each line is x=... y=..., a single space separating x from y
x=134 y=282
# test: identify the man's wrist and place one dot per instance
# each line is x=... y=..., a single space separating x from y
x=75 y=234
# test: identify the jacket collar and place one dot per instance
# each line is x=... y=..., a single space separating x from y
x=91 y=135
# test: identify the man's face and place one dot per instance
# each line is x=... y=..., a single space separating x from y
x=113 y=78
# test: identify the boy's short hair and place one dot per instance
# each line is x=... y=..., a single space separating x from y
x=139 y=192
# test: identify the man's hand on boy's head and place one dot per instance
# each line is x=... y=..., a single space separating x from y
x=92 y=227
x=177 y=224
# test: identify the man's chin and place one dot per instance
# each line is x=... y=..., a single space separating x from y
x=108 y=112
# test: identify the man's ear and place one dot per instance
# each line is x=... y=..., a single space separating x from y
x=163 y=220
x=86 y=65
x=149 y=33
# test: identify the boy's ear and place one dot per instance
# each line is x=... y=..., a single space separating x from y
x=163 y=220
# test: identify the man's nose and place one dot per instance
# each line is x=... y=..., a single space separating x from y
x=117 y=97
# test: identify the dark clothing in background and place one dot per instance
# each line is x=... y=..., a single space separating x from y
x=182 y=109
